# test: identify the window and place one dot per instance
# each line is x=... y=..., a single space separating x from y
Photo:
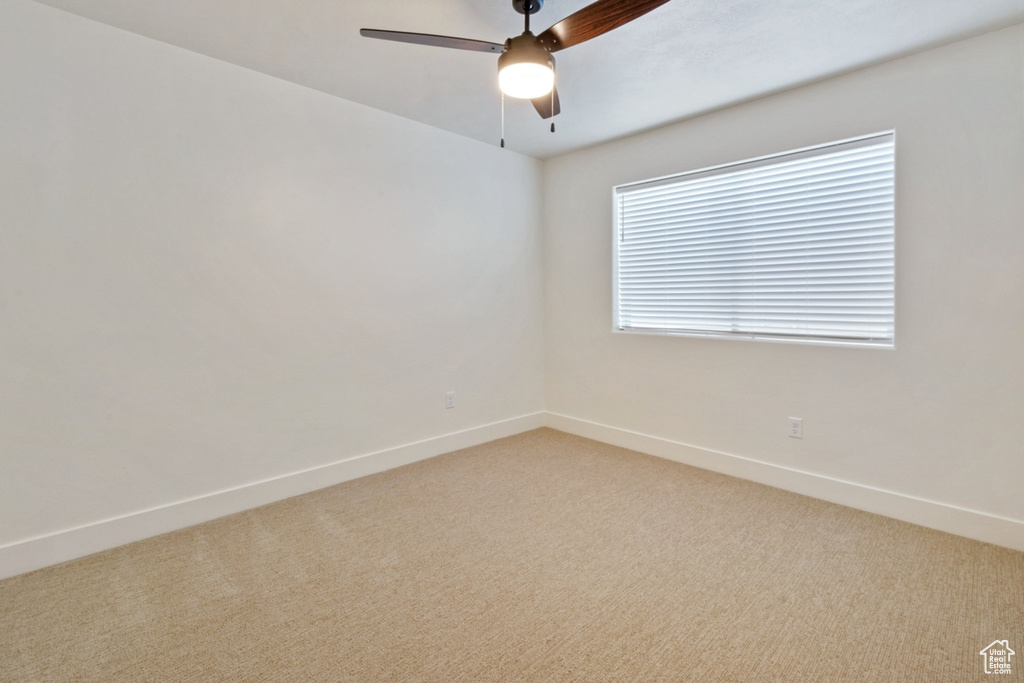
x=794 y=246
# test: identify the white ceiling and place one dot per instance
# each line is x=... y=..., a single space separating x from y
x=682 y=59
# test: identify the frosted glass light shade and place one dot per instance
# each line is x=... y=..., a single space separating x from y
x=526 y=80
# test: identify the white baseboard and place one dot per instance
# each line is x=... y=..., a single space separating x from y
x=60 y=546
x=980 y=526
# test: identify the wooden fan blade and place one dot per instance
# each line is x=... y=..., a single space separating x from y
x=436 y=41
x=543 y=104
x=593 y=20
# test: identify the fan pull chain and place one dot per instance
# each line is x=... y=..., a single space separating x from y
x=552 y=107
x=503 y=119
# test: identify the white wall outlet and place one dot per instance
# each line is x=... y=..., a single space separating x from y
x=449 y=399
x=796 y=427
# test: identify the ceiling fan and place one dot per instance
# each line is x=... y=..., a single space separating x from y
x=526 y=68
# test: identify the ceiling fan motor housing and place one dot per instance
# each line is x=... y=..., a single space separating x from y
x=525 y=48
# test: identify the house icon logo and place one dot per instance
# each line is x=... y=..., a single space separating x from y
x=997 y=657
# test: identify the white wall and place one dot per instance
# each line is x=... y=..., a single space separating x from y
x=940 y=417
x=210 y=277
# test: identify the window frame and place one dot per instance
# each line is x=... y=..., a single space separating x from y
x=719 y=169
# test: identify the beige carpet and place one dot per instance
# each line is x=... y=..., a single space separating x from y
x=541 y=557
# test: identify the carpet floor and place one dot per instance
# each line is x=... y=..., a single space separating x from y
x=540 y=557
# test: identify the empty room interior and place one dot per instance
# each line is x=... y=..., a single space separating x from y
x=324 y=355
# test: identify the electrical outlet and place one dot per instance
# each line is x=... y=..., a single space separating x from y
x=796 y=427
x=449 y=399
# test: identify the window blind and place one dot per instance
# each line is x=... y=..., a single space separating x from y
x=798 y=245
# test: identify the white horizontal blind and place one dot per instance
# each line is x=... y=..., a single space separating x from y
x=798 y=245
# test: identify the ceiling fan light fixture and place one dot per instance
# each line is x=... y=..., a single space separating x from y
x=526 y=70
x=526 y=80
